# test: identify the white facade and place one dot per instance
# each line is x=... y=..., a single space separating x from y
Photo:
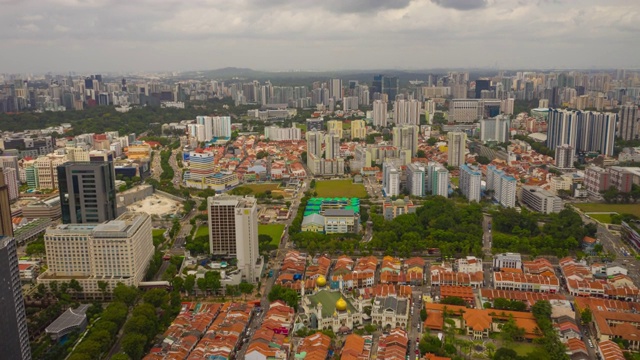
x=541 y=200
x=565 y=156
x=332 y=146
x=275 y=133
x=469 y=265
x=470 y=182
x=215 y=126
x=197 y=131
x=437 y=180
x=314 y=143
x=11 y=180
x=406 y=112
x=406 y=137
x=503 y=186
x=416 y=179
x=379 y=113
x=391 y=179
x=507 y=260
x=465 y=110
x=457 y=142
x=495 y=129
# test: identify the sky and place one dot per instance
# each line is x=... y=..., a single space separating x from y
x=281 y=35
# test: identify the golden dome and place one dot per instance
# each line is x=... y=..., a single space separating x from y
x=341 y=304
x=321 y=281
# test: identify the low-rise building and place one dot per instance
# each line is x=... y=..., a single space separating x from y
x=340 y=221
x=507 y=260
x=70 y=321
x=525 y=282
x=540 y=200
x=389 y=311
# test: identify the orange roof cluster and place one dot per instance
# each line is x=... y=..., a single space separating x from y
x=457 y=278
x=390 y=277
x=575 y=345
x=389 y=263
x=225 y=332
x=401 y=291
x=610 y=350
x=526 y=278
x=315 y=347
x=464 y=292
x=617 y=324
x=356 y=347
x=293 y=263
x=271 y=339
x=571 y=269
x=185 y=331
x=321 y=268
x=601 y=304
x=528 y=297
x=415 y=262
x=366 y=264
x=539 y=266
x=394 y=345
x=343 y=265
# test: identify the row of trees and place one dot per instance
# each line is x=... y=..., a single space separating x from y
x=612 y=195
x=521 y=231
x=539 y=147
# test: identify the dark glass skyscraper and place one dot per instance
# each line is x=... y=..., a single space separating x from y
x=87 y=192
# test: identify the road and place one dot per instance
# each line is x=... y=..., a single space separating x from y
x=487 y=238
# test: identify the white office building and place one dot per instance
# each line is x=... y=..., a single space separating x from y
x=470 y=182
x=275 y=133
x=391 y=179
x=540 y=200
x=495 y=129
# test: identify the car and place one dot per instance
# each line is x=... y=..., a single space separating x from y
x=417 y=352
x=417 y=340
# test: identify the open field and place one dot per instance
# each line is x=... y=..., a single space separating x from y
x=302 y=127
x=202 y=231
x=523 y=348
x=603 y=218
x=633 y=209
x=273 y=230
x=455 y=180
x=340 y=188
x=157 y=232
x=260 y=188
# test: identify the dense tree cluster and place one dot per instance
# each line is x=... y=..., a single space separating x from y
x=289 y=296
x=550 y=342
x=102 y=334
x=520 y=231
x=538 y=147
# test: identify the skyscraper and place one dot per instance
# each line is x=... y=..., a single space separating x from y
x=314 y=143
x=502 y=185
x=6 y=226
x=416 y=179
x=482 y=84
x=358 y=129
x=565 y=156
x=629 y=128
x=335 y=90
x=495 y=129
x=406 y=112
x=406 y=137
x=13 y=327
x=233 y=231
x=87 y=192
x=584 y=131
x=457 y=142
x=379 y=113
x=470 y=181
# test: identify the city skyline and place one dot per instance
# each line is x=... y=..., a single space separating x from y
x=420 y=34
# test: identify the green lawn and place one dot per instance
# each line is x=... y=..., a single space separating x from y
x=302 y=127
x=273 y=230
x=340 y=188
x=603 y=218
x=202 y=231
x=455 y=180
x=633 y=209
x=260 y=188
x=157 y=232
x=346 y=126
x=523 y=348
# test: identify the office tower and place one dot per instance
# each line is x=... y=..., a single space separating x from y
x=87 y=192
x=482 y=84
x=314 y=143
x=416 y=179
x=331 y=146
x=315 y=124
x=233 y=231
x=13 y=327
x=334 y=127
x=379 y=113
x=391 y=86
x=358 y=129
x=543 y=103
x=507 y=106
x=438 y=179
x=457 y=142
x=495 y=129
x=117 y=251
x=584 y=131
x=565 y=157
x=11 y=181
x=465 y=110
x=470 y=181
x=406 y=137
x=201 y=164
x=335 y=90
x=376 y=85
x=502 y=185
x=406 y=112
x=629 y=128
x=390 y=179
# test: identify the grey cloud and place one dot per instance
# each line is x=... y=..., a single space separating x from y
x=461 y=4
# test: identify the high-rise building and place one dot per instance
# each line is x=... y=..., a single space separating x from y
x=390 y=179
x=358 y=129
x=335 y=127
x=46 y=168
x=584 y=131
x=379 y=113
x=335 y=90
x=314 y=143
x=416 y=179
x=332 y=146
x=6 y=226
x=406 y=112
x=502 y=185
x=201 y=164
x=470 y=182
x=215 y=126
x=233 y=231
x=457 y=142
x=116 y=251
x=482 y=84
x=438 y=180
x=13 y=327
x=629 y=126
x=406 y=137
x=465 y=110
x=87 y=192
x=495 y=129
x=565 y=157
x=11 y=181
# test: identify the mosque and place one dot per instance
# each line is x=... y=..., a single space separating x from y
x=329 y=309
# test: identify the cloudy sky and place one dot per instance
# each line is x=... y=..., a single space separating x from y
x=138 y=35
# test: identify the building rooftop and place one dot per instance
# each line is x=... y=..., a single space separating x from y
x=69 y=319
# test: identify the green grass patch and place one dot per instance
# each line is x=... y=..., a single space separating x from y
x=261 y=188
x=340 y=188
x=603 y=218
x=202 y=231
x=303 y=127
x=632 y=209
x=346 y=125
x=455 y=180
x=157 y=232
x=273 y=230
x=523 y=348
